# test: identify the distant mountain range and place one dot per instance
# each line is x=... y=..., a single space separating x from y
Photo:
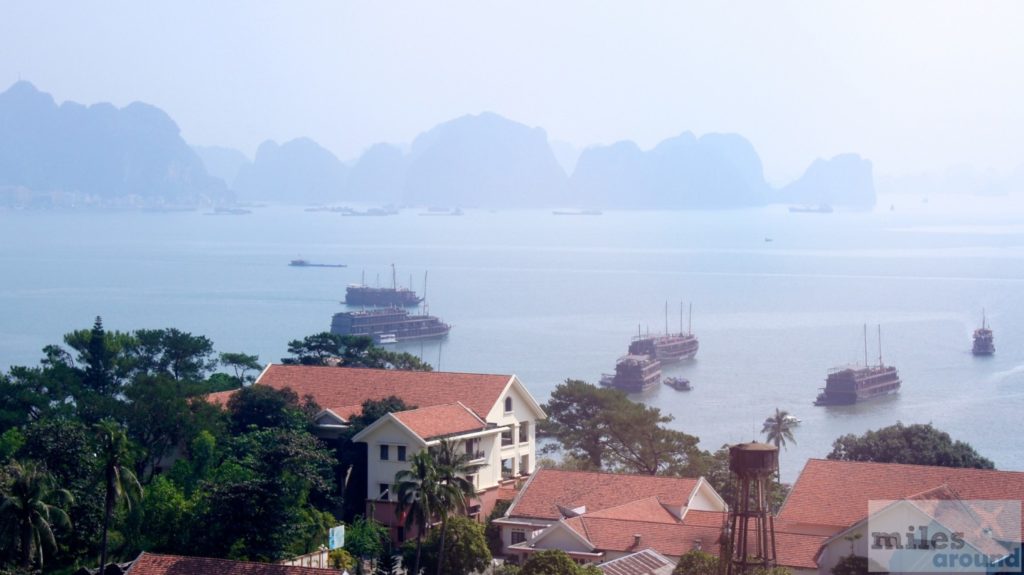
x=77 y=155
x=480 y=160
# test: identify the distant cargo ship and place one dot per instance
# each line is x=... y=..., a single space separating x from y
x=301 y=263
x=818 y=209
x=388 y=325
x=854 y=384
x=634 y=374
x=983 y=344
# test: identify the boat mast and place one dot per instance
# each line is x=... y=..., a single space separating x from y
x=982 y=318
x=425 y=308
x=362 y=278
x=680 y=318
x=689 y=325
x=880 y=364
x=394 y=279
x=865 y=345
x=666 y=317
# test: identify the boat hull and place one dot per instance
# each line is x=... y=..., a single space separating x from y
x=391 y=324
x=847 y=386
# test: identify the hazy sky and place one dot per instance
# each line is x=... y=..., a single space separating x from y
x=912 y=85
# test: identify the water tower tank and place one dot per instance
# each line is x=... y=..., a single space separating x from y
x=749 y=460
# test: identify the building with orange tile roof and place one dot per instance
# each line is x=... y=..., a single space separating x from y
x=598 y=517
x=491 y=417
x=831 y=501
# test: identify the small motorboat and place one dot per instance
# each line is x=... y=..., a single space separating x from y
x=678 y=383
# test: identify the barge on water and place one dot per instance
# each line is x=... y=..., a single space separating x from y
x=634 y=374
x=668 y=347
x=362 y=295
x=388 y=325
x=983 y=340
x=847 y=385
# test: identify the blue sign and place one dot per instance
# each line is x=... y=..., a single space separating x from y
x=336 y=537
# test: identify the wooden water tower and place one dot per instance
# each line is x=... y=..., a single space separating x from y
x=751 y=528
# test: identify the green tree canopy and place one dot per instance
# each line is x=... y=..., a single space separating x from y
x=465 y=549
x=608 y=431
x=327 y=348
x=696 y=563
x=30 y=509
x=262 y=406
x=365 y=538
x=552 y=562
x=242 y=364
x=778 y=428
x=917 y=444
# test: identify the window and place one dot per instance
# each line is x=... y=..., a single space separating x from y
x=473 y=450
x=385 y=492
x=384 y=452
x=524 y=432
x=508 y=405
x=524 y=464
x=401 y=534
x=506 y=469
x=506 y=437
x=471 y=479
x=401 y=452
x=518 y=536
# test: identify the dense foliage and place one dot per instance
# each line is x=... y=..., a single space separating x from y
x=603 y=430
x=918 y=444
x=555 y=562
x=465 y=549
x=108 y=449
x=696 y=563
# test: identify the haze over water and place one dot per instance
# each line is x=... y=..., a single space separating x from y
x=550 y=298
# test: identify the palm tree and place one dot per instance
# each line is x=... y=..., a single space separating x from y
x=30 y=510
x=119 y=480
x=453 y=489
x=779 y=428
x=416 y=489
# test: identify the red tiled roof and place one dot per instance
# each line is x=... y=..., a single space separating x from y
x=797 y=550
x=648 y=509
x=344 y=389
x=836 y=493
x=548 y=489
x=666 y=538
x=440 y=420
x=153 y=564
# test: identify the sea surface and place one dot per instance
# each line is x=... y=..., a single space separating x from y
x=778 y=299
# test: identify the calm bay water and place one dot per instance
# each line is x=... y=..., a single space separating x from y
x=550 y=298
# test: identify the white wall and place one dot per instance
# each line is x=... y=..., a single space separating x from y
x=378 y=471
